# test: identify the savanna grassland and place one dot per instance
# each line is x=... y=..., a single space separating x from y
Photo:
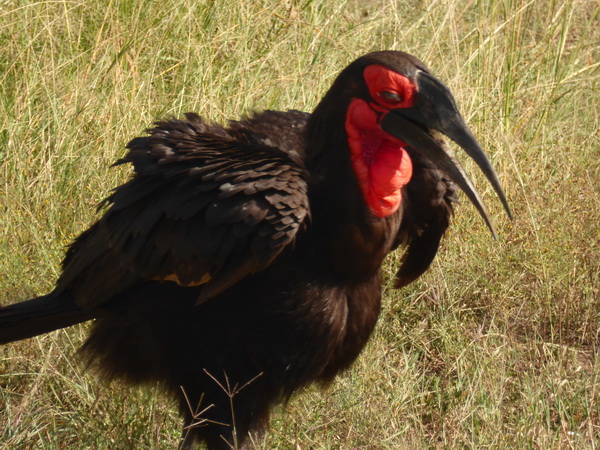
x=497 y=346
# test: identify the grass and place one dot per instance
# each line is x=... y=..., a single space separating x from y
x=496 y=346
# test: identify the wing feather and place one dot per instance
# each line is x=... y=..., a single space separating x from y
x=201 y=209
x=427 y=209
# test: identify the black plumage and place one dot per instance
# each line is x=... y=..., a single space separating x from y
x=251 y=253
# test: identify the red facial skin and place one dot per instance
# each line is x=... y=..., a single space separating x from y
x=379 y=159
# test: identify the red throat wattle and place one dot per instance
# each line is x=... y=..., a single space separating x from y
x=380 y=161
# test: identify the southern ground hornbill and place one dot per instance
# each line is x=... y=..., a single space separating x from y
x=250 y=255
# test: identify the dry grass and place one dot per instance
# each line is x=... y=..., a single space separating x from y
x=497 y=346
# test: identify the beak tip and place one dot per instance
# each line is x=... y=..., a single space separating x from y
x=505 y=204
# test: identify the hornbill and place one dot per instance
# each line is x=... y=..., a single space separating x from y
x=245 y=261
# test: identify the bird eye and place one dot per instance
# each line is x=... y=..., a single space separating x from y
x=390 y=96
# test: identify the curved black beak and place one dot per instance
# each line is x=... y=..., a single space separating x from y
x=420 y=126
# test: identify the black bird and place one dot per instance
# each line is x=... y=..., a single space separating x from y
x=248 y=258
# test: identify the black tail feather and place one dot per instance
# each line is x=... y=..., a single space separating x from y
x=38 y=316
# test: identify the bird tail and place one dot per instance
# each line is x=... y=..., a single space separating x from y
x=38 y=316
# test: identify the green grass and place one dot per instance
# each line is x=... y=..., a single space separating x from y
x=496 y=346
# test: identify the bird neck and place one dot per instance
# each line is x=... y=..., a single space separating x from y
x=344 y=223
x=347 y=149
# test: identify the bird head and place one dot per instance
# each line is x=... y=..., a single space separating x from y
x=393 y=102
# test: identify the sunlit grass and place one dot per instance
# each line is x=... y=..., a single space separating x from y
x=496 y=346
